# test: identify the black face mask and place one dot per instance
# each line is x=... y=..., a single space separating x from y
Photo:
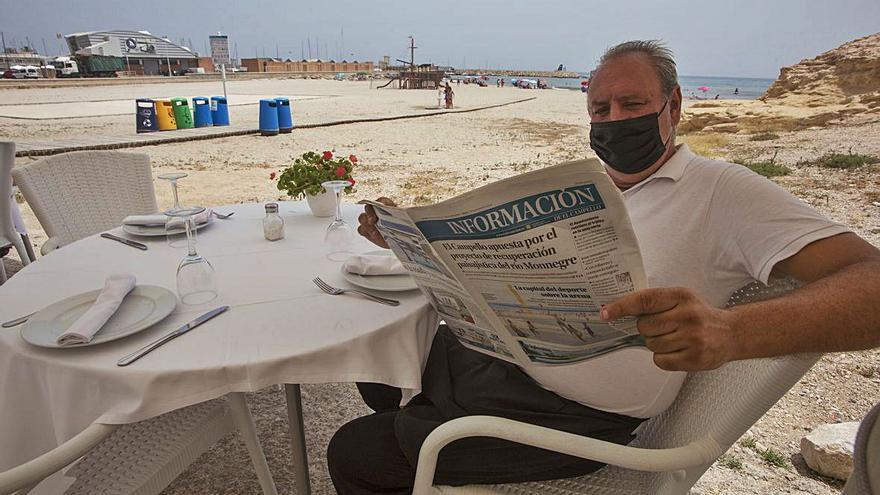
x=631 y=145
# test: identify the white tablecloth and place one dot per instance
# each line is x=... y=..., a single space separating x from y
x=280 y=329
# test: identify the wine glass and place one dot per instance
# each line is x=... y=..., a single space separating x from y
x=196 y=281
x=174 y=229
x=339 y=236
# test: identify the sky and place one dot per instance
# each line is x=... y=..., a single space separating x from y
x=739 y=38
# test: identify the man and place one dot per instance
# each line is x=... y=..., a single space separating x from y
x=705 y=229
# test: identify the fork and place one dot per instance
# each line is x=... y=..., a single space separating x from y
x=334 y=291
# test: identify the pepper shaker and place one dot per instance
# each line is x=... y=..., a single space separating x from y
x=273 y=224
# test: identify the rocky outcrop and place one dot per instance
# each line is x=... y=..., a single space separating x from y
x=836 y=86
x=840 y=76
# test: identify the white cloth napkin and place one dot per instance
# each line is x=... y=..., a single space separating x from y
x=374 y=264
x=159 y=219
x=90 y=323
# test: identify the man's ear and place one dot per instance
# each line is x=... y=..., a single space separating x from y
x=675 y=106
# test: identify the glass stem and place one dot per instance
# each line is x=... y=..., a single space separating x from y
x=338 y=205
x=174 y=192
x=190 y=247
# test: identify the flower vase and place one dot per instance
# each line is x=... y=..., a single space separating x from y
x=322 y=205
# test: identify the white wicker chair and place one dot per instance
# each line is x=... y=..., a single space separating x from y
x=671 y=451
x=143 y=458
x=8 y=233
x=78 y=194
x=865 y=478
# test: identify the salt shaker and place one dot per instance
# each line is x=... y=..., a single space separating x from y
x=273 y=224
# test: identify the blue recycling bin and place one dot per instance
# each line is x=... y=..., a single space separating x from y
x=268 y=117
x=219 y=110
x=285 y=120
x=202 y=112
x=145 y=114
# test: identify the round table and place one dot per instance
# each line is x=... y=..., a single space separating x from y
x=280 y=329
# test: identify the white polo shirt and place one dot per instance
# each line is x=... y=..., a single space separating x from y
x=706 y=225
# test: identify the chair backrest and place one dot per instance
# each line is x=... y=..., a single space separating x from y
x=78 y=194
x=865 y=478
x=722 y=403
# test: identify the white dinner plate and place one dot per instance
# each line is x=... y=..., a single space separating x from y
x=153 y=230
x=143 y=307
x=390 y=283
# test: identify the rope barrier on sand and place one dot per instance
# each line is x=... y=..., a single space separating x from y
x=245 y=132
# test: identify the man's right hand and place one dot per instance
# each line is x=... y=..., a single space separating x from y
x=367 y=223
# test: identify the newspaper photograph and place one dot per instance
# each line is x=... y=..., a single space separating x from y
x=520 y=268
x=438 y=284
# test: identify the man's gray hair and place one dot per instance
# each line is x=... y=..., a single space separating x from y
x=660 y=55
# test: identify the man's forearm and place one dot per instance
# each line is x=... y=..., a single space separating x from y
x=835 y=313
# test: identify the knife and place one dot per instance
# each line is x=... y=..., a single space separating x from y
x=143 y=351
x=127 y=242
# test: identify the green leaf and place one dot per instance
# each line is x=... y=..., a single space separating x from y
x=309 y=171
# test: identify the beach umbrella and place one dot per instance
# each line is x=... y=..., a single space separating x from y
x=703 y=88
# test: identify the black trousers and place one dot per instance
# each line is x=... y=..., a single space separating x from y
x=378 y=454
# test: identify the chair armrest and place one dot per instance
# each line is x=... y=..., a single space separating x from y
x=703 y=451
x=49 y=246
x=38 y=469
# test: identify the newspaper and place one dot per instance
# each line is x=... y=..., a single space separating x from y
x=520 y=268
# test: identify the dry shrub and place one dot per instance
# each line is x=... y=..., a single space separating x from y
x=542 y=133
x=764 y=136
x=710 y=144
x=845 y=161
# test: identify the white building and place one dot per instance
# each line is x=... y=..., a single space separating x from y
x=142 y=52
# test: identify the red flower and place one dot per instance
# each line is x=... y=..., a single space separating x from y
x=351 y=181
x=327 y=155
x=272 y=176
x=340 y=172
x=352 y=158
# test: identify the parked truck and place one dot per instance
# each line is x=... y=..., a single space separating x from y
x=88 y=66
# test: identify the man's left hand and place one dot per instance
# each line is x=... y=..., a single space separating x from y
x=683 y=331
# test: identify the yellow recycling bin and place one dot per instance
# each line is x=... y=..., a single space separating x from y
x=165 y=115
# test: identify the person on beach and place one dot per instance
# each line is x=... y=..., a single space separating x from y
x=730 y=227
x=532 y=328
x=449 y=95
x=515 y=329
x=588 y=329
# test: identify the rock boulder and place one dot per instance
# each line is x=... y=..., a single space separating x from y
x=828 y=449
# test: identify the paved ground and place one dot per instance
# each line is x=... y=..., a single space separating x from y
x=52 y=110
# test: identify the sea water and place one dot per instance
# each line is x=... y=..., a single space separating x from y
x=724 y=87
x=749 y=88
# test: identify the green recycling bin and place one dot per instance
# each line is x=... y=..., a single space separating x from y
x=182 y=113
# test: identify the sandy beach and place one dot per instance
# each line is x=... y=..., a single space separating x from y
x=424 y=160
